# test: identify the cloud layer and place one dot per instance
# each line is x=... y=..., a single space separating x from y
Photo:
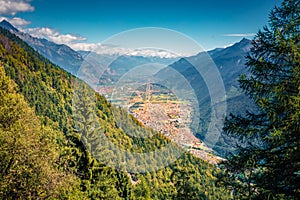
x=12 y=7
x=54 y=35
x=16 y=21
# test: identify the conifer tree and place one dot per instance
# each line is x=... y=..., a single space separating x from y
x=268 y=166
x=29 y=152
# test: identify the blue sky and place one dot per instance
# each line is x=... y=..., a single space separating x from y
x=211 y=23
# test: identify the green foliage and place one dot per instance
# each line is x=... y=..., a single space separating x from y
x=64 y=139
x=268 y=167
x=29 y=156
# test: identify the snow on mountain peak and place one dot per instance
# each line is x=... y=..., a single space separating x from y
x=108 y=49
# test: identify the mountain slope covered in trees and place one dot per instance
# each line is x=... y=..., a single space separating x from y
x=42 y=153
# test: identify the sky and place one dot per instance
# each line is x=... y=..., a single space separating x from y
x=211 y=23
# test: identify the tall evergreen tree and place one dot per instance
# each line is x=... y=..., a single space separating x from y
x=268 y=167
x=29 y=154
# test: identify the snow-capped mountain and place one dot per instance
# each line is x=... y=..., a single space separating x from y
x=71 y=60
x=103 y=49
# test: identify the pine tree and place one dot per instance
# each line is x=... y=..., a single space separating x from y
x=29 y=153
x=268 y=166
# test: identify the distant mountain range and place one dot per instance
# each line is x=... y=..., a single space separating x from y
x=71 y=60
x=123 y=64
x=229 y=61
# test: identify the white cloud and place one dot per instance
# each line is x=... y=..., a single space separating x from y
x=66 y=39
x=85 y=46
x=16 y=21
x=240 y=35
x=12 y=7
x=54 y=35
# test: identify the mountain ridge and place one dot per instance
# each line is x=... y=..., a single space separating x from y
x=60 y=54
x=230 y=63
x=70 y=59
x=49 y=90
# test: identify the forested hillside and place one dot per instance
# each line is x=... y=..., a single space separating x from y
x=42 y=153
